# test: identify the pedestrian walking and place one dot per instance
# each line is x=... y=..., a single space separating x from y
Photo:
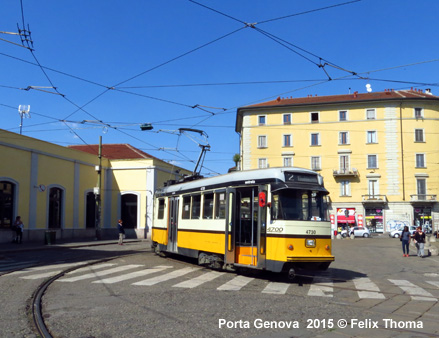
x=121 y=232
x=405 y=239
x=419 y=238
x=19 y=227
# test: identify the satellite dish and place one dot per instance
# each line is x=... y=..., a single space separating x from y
x=368 y=88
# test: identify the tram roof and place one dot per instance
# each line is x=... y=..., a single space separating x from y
x=250 y=177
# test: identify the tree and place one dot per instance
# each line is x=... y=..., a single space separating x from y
x=236 y=159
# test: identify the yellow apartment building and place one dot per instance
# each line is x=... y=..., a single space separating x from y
x=54 y=188
x=378 y=152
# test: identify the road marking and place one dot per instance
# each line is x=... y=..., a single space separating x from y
x=416 y=292
x=42 y=275
x=132 y=275
x=197 y=281
x=367 y=289
x=90 y=267
x=16 y=265
x=433 y=283
x=99 y=273
x=323 y=288
x=276 y=288
x=45 y=267
x=166 y=277
x=235 y=284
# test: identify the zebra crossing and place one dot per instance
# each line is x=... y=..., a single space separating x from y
x=193 y=277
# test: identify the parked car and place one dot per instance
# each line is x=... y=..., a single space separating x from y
x=357 y=232
x=397 y=232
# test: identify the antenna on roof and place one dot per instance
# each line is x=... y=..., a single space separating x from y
x=23 y=110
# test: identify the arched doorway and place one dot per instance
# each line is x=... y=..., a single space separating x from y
x=55 y=208
x=128 y=208
x=7 y=195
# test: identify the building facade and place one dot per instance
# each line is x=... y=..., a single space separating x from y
x=378 y=152
x=54 y=188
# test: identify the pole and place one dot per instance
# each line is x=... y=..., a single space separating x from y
x=98 y=195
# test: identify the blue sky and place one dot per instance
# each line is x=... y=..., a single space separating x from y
x=185 y=64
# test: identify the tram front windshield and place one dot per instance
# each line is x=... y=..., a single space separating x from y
x=299 y=205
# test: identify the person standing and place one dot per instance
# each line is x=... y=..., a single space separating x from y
x=420 y=241
x=19 y=227
x=121 y=232
x=405 y=239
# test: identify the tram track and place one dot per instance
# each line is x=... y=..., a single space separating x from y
x=35 y=306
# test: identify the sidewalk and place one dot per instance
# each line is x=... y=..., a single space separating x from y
x=6 y=248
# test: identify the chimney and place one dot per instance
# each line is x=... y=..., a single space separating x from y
x=428 y=91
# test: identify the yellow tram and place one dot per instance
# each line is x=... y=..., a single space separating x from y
x=273 y=219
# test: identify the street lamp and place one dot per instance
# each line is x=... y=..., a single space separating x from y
x=146 y=126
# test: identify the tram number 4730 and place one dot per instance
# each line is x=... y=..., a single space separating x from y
x=311 y=232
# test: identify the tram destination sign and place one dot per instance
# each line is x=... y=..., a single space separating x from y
x=300 y=177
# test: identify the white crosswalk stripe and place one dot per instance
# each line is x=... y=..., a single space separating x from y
x=100 y=273
x=12 y=265
x=132 y=275
x=166 y=277
x=416 y=292
x=367 y=289
x=46 y=267
x=276 y=288
x=197 y=281
x=435 y=283
x=323 y=287
x=235 y=284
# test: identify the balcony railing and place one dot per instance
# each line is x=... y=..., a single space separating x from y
x=345 y=172
x=423 y=198
x=374 y=198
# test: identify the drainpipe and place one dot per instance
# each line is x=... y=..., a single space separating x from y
x=402 y=151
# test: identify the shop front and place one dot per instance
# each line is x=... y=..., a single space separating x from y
x=422 y=218
x=374 y=219
x=346 y=218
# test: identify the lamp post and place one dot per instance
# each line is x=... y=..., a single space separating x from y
x=98 y=193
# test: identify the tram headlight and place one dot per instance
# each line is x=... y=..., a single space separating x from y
x=310 y=243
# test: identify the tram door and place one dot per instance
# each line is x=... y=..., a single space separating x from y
x=245 y=236
x=173 y=224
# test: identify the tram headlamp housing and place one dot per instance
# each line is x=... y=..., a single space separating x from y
x=310 y=243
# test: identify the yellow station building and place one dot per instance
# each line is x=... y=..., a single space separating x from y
x=378 y=152
x=54 y=188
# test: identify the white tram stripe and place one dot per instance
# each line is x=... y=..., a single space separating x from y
x=166 y=277
x=235 y=284
x=45 y=267
x=100 y=273
x=367 y=289
x=416 y=292
x=132 y=275
x=276 y=288
x=323 y=287
x=197 y=281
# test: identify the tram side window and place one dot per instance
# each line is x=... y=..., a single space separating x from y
x=220 y=205
x=161 y=211
x=186 y=207
x=208 y=206
x=196 y=206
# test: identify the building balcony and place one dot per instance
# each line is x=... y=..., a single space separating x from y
x=423 y=198
x=374 y=199
x=345 y=172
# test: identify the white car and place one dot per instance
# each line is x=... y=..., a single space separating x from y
x=397 y=232
x=357 y=232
